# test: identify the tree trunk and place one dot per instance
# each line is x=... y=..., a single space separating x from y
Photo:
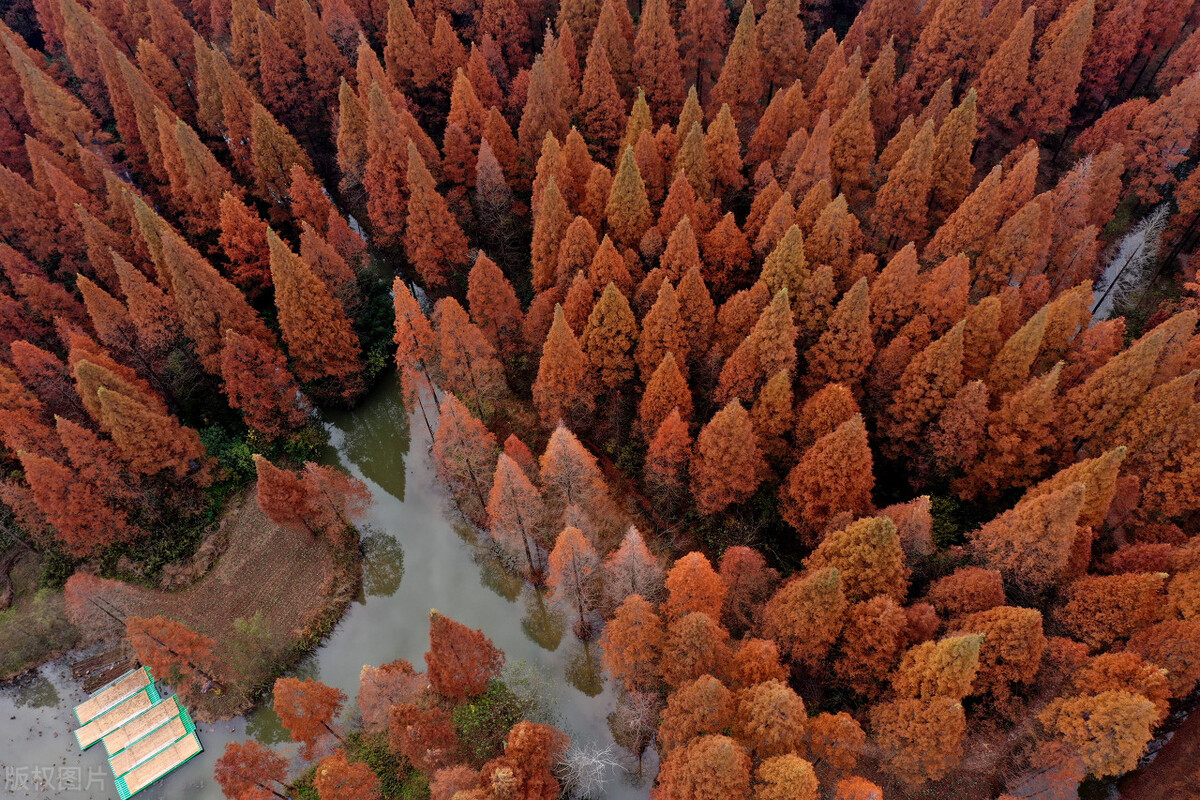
x=424 y=416
x=6 y=588
x=336 y=735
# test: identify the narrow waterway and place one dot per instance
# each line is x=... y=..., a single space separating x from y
x=419 y=557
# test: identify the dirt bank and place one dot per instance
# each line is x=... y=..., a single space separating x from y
x=273 y=592
x=1175 y=772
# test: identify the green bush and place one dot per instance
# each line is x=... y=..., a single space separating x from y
x=483 y=723
x=395 y=774
x=375 y=326
x=56 y=568
x=234 y=463
x=302 y=788
x=415 y=787
x=152 y=553
x=629 y=458
x=948 y=528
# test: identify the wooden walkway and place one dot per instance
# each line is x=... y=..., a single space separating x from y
x=87 y=666
x=140 y=725
x=114 y=693
x=148 y=772
x=145 y=736
x=97 y=679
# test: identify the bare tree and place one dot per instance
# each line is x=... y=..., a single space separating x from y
x=585 y=770
x=493 y=206
x=1127 y=268
x=634 y=722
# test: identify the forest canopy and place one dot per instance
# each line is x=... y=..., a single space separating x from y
x=833 y=366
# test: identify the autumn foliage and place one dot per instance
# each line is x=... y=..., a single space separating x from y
x=835 y=351
x=460 y=660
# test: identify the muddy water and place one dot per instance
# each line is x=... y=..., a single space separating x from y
x=419 y=557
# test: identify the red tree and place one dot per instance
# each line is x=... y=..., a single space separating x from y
x=258 y=383
x=307 y=708
x=151 y=441
x=741 y=83
x=248 y=766
x=834 y=475
x=464 y=452
x=656 y=66
x=320 y=340
x=172 y=650
x=380 y=688
x=460 y=661
x=433 y=242
x=632 y=643
x=337 y=778
x=708 y=767
x=494 y=306
x=693 y=585
x=468 y=361
x=561 y=373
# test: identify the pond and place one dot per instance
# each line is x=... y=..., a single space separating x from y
x=420 y=556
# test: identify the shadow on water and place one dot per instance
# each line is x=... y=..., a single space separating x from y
x=383 y=565
x=264 y=727
x=543 y=623
x=375 y=436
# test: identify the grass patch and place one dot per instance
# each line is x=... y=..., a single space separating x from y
x=272 y=596
x=35 y=628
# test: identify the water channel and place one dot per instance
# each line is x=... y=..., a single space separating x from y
x=420 y=556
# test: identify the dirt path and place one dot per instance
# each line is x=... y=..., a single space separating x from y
x=1175 y=772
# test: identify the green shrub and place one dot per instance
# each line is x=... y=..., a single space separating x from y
x=302 y=788
x=234 y=463
x=415 y=787
x=948 y=525
x=483 y=723
x=394 y=772
x=56 y=568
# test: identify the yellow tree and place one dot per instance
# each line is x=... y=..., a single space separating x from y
x=628 y=209
x=868 y=556
x=806 y=615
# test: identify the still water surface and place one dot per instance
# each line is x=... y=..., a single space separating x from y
x=420 y=556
